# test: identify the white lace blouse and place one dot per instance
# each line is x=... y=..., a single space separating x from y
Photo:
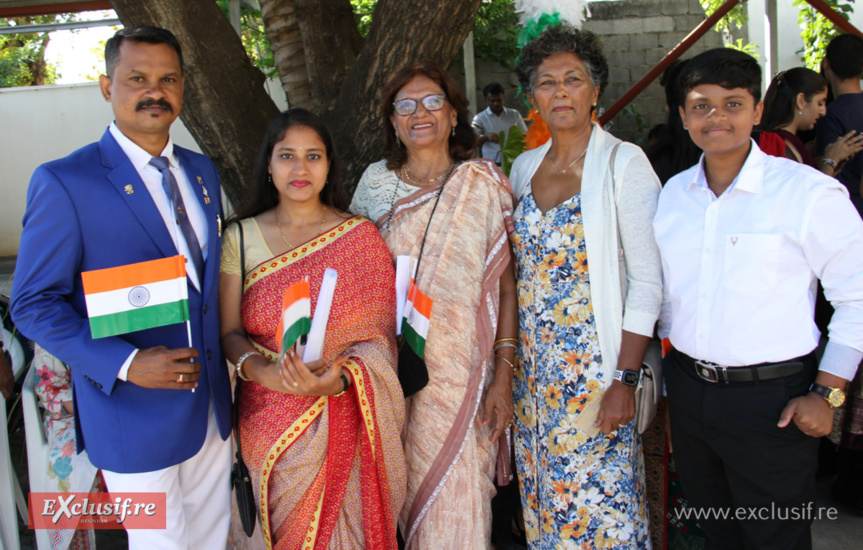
x=377 y=191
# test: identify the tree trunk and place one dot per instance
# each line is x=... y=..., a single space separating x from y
x=226 y=107
x=314 y=44
x=343 y=85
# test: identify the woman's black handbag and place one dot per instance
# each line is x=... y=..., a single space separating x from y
x=241 y=481
x=413 y=373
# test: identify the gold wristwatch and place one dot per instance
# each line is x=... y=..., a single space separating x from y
x=834 y=396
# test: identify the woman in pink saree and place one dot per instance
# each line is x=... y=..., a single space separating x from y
x=321 y=440
x=427 y=195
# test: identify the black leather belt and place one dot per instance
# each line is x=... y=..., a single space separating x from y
x=711 y=372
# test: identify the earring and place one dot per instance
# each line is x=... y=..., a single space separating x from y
x=398 y=141
x=799 y=113
x=270 y=178
x=453 y=132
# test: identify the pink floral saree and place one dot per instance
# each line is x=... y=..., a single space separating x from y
x=451 y=463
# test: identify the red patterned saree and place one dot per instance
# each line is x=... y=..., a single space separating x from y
x=329 y=472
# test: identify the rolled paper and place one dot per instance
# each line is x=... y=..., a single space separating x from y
x=315 y=344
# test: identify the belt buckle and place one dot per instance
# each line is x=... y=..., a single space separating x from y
x=710 y=372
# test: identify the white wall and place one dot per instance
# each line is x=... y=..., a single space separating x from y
x=43 y=123
x=788 y=31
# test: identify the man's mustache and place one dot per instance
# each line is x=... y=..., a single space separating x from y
x=154 y=102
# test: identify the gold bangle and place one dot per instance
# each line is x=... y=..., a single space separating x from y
x=500 y=345
x=241 y=360
x=499 y=340
x=507 y=361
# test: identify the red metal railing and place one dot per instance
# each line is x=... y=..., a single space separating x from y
x=697 y=33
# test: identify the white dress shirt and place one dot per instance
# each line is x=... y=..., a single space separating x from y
x=153 y=181
x=740 y=270
x=487 y=122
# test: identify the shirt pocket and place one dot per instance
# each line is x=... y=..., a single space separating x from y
x=751 y=263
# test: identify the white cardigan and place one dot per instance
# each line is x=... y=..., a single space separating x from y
x=636 y=195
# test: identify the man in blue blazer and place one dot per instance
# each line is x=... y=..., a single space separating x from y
x=108 y=205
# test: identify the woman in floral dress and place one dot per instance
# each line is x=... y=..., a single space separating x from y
x=578 y=454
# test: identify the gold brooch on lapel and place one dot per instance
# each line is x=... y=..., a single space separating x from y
x=206 y=195
x=129 y=189
x=219 y=225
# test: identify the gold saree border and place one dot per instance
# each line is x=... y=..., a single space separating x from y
x=276 y=263
x=363 y=402
x=293 y=433
x=282 y=444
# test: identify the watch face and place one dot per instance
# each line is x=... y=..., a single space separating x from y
x=630 y=378
x=836 y=398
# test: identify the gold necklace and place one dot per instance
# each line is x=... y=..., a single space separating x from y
x=409 y=177
x=571 y=164
x=282 y=233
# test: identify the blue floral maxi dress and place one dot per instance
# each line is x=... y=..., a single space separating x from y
x=577 y=491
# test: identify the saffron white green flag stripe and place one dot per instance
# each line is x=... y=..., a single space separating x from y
x=296 y=314
x=136 y=297
x=415 y=325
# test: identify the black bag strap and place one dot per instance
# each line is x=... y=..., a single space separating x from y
x=239 y=380
x=437 y=199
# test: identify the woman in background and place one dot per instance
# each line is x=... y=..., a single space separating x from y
x=794 y=102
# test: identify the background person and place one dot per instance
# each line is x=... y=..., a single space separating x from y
x=454 y=424
x=843 y=65
x=106 y=205
x=495 y=119
x=578 y=453
x=794 y=102
x=341 y=476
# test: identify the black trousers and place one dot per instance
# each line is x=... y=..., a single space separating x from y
x=734 y=460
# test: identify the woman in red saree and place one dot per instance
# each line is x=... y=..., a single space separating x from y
x=321 y=440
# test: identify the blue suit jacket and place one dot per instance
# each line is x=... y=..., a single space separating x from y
x=82 y=216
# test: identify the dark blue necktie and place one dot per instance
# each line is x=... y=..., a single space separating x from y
x=169 y=183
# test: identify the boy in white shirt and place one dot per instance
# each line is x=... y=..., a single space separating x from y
x=743 y=238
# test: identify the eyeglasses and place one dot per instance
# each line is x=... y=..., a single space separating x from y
x=407 y=106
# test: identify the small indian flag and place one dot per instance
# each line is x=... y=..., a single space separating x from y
x=136 y=297
x=296 y=314
x=415 y=325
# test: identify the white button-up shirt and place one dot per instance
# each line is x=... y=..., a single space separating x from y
x=740 y=270
x=152 y=179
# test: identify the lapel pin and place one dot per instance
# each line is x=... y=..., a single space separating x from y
x=206 y=195
x=219 y=225
x=733 y=241
x=129 y=189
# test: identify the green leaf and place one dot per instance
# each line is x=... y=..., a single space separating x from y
x=512 y=145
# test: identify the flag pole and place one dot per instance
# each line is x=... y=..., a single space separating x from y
x=189 y=334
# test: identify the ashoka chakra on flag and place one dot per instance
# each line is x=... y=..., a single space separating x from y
x=139 y=296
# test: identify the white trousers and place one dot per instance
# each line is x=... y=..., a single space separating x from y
x=198 y=493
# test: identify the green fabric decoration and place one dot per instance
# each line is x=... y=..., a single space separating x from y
x=535 y=27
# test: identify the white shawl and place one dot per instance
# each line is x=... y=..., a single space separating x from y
x=635 y=194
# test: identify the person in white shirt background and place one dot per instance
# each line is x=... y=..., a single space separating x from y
x=743 y=237
x=495 y=119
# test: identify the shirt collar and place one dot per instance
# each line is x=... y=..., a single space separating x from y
x=139 y=157
x=749 y=179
